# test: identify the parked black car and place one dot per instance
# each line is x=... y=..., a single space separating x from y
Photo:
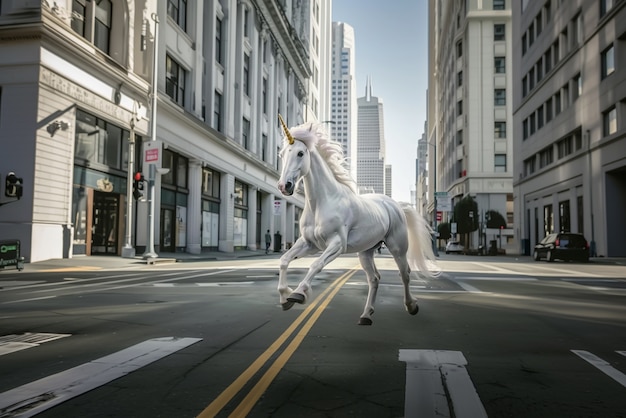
x=565 y=246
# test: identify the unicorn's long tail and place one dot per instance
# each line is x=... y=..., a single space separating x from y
x=420 y=254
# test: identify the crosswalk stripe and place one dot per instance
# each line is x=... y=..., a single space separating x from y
x=40 y=395
x=602 y=365
x=427 y=371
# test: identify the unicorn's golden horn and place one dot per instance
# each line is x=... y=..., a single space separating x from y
x=287 y=133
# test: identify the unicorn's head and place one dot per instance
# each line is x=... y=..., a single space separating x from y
x=296 y=160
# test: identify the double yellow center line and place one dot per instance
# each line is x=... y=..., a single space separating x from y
x=315 y=309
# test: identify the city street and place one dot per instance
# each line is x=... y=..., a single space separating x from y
x=495 y=336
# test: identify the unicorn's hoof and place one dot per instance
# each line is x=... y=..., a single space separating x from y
x=296 y=298
x=415 y=310
x=365 y=321
x=287 y=305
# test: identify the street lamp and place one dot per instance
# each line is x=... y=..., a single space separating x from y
x=150 y=252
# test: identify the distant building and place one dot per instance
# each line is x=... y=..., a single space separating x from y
x=343 y=115
x=370 y=143
x=388 y=188
x=569 y=112
x=470 y=109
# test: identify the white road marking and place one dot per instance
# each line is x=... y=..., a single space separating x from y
x=427 y=371
x=14 y=342
x=602 y=365
x=40 y=395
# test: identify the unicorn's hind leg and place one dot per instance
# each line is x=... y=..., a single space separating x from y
x=399 y=255
x=373 y=278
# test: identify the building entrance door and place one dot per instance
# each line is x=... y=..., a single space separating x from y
x=104 y=239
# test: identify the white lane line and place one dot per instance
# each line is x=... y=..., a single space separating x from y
x=498 y=278
x=42 y=394
x=602 y=365
x=623 y=353
x=427 y=371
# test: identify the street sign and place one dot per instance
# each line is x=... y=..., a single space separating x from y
x=152 y=153
x=439 y=216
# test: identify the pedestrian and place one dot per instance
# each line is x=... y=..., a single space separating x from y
x=268 y=241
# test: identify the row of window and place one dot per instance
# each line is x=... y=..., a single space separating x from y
x=564 y=147
x=552 y=107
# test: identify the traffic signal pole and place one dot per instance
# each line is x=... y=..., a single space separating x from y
x=128 y=251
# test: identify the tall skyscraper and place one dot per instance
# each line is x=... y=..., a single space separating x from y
x=343 y=100
x=370 y=143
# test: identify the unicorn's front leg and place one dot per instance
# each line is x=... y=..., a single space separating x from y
x=334 y=249
x=301 y=247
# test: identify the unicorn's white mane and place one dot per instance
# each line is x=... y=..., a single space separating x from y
x=313 y=135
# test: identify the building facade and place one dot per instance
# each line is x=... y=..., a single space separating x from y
x=370 y=143
x=77 y=106
x=343 y=116
x=570 y=122
x=470 y=110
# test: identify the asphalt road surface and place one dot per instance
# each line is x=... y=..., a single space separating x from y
x=497 y=337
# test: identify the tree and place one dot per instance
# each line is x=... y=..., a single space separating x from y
x=444 y=231
x=466 y=217
x=495 y=219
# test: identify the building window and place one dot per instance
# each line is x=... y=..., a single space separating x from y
x=548 y=220
x=264 y=86
x=177 y=175
x=177 y=10
x=540 y=117
x=264 y=147
x=581 y=218
x=500 y=129
x=217 y=112
x=525 y=132
x=608 y=62
x=564 y=216
x=549 y=110
x=459 y=78
x=459 y=49
x=459 y=137
x=498 y=32
x=459 y=108
x=564 y=147
x=174 y=80
x=499 y=97
x=499 y=65
x=97 y=142
x=498 y=4
x=218 y=40
x=546 y=156
x=557 y=103
x=245 y=133
x=499 y=163
x=246 y=74
x=605 y=6
x=609 y=125
x=577 y=88
x=93 y=21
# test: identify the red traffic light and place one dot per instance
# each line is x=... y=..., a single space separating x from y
x=138 y=176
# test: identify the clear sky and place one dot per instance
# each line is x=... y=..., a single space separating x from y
x=391 y=47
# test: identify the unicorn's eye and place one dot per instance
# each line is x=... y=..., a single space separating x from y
x=300 y=154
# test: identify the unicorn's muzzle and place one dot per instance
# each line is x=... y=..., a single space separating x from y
x=286 y=188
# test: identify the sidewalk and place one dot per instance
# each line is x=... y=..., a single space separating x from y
x=97 y=262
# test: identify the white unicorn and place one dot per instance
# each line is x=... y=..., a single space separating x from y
x=336 y=220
